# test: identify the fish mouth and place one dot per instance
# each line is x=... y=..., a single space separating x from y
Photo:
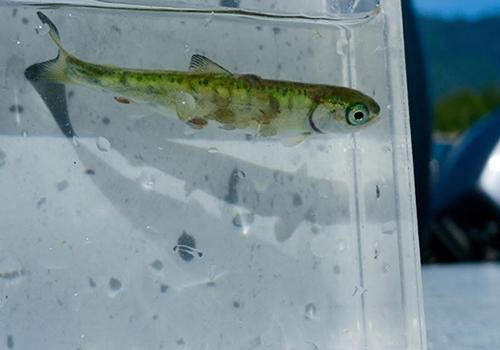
x=374 y=108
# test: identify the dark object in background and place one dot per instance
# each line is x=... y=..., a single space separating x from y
x=466 y=205
x=420 y=122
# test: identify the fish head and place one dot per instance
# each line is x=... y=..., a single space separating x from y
x=344 y=110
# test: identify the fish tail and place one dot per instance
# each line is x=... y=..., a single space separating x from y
x=53 y=70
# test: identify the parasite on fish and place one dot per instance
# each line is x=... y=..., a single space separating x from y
x=209 y=94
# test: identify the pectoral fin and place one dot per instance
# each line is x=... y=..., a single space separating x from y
x=197 y=123
x=121 y=99
x=185 y=106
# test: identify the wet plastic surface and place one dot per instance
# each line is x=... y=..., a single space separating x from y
x=138 y=234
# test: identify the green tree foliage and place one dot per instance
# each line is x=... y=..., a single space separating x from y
x=458 y=111
x=460 y=53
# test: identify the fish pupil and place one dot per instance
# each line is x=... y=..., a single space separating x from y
x=359 y=115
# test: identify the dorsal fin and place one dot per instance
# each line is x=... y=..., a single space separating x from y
x=201 y=64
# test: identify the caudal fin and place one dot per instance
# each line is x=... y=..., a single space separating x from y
x=52 y=70
x=48 y=79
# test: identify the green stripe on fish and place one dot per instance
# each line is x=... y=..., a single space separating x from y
x=209 y=93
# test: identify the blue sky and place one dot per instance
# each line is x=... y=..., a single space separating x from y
x=457 y=8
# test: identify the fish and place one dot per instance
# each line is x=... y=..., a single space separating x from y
x=208 y=94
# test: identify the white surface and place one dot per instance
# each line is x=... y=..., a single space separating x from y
x=462 y=306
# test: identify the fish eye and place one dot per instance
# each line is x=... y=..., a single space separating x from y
x=357 y=114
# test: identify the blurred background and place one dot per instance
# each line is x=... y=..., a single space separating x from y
x=453 y=63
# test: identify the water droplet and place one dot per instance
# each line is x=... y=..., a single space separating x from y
x=42 y=29
x=213 y=150
x=75 y=141
x=253 y=344
x=341 y=245
x=149 y=184
x=103 y=144
x=185 y=105
x=14 y=69
x=152 y=229
x=244 y=221
x=3 y=156
x=10 y=341
x=313 y=346
x=185 y=99
x=157 y=265
x=11 y=270
x=212 y=273
x=114 y=285
x=92 y=283
x=341 y=45
x=376 y=250
x=321 y=245
x=16 y=108
x=209 y=19
x=348 y=334
x=147 y=181
x=310 y=311
x=385 y=267
x=62 y=185
x=389 y=227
